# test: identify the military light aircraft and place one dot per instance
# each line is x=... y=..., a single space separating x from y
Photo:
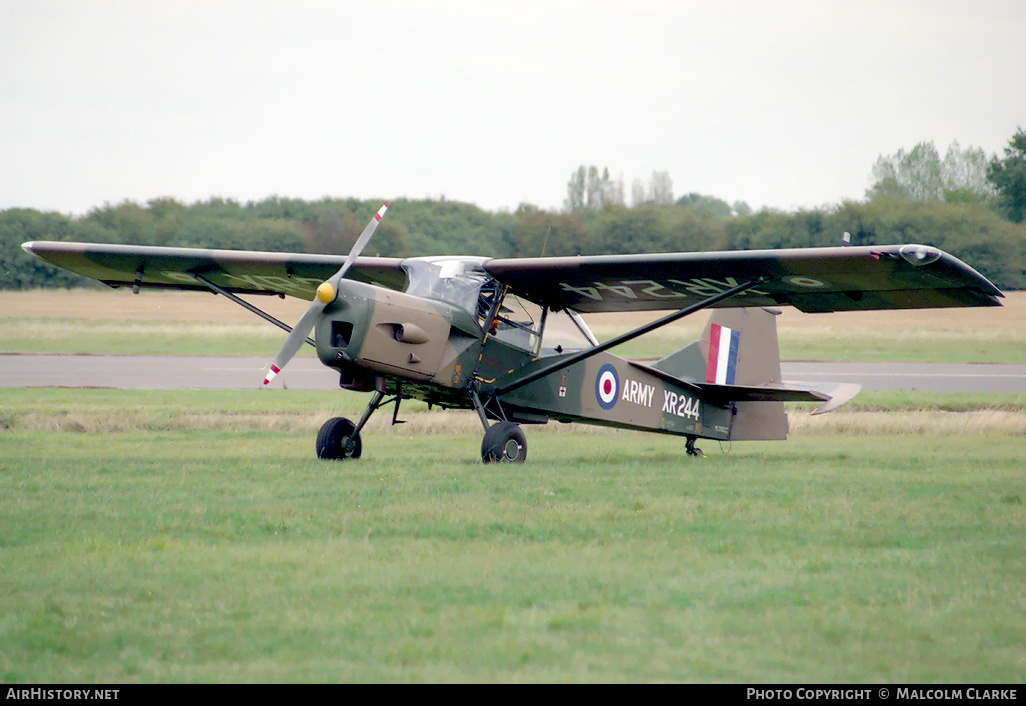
x=505 y=338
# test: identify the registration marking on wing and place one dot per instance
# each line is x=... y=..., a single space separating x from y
x=648 y=289
x=271 y=283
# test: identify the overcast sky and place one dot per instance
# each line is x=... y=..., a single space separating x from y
x=781 y=104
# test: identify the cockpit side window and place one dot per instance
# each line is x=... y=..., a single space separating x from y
x=519 y=323
x=542 y=332
x=564 y=332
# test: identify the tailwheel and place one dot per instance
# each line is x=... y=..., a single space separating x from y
x=690 y=447
x=504 y=442
x=338 y=440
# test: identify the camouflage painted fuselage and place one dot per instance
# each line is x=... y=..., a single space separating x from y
x=433 y=351
x=610 y=391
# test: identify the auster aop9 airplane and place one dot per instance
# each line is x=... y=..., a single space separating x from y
x=504 y=337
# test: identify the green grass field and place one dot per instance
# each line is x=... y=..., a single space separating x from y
x=191 y=536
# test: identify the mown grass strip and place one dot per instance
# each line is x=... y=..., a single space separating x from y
x=221 y=556
x=103 y=410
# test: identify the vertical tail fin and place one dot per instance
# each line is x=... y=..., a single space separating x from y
x=756 y=362
x=738 y=356
x=738 y=347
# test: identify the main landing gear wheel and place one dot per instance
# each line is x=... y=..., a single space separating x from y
x=504 y=442
x=334 y=442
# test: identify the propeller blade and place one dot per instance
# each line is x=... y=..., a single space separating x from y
x=326 y=294
x=295 y=339
x=360 y=244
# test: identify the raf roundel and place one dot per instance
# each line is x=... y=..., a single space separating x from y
x=804 y=282
x=607 y=386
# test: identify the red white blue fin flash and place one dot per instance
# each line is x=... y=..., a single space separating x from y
x=721 y=368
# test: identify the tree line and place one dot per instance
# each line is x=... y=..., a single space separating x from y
x=964 y=203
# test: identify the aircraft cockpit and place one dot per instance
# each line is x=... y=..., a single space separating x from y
x=518 y=322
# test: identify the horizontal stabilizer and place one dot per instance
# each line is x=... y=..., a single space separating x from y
x=721 y=394
x=841 y=393
x=833 y=395
x=761 y=393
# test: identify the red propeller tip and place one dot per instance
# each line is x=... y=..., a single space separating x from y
x=271 y=373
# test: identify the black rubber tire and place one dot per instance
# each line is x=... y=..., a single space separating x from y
x=330 y=437
x=504 y=442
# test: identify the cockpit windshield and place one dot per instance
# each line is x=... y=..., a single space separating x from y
x=455 y=280
x=462 y=282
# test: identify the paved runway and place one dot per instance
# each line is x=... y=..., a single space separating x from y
x=138 y=372
x=930 y=377
x=306 y=373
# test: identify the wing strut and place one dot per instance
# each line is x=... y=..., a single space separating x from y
x=630 y=335
x=246 y=305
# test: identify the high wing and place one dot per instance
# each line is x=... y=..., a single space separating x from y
x=239 y=271
x=810 y=279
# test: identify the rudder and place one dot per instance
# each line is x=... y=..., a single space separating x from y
x=738 y=347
